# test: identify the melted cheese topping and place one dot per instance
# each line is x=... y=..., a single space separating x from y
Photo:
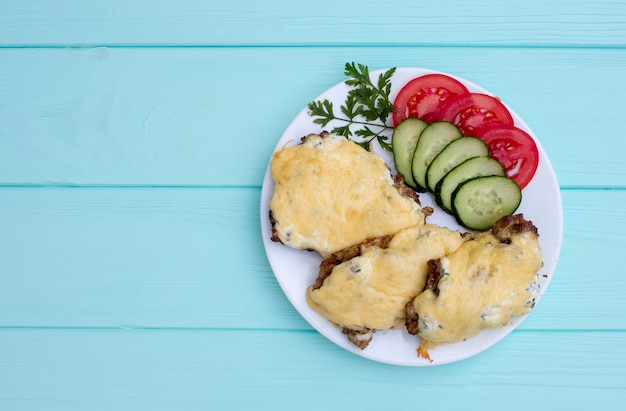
x=330 y=193
x=483 y=284
x=371 y=290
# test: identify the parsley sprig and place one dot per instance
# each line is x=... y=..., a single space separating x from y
x=367 y=106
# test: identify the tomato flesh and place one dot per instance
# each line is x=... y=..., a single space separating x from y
x=424 y=96
x=437 y=97
x=473 y=112
x=515 y=150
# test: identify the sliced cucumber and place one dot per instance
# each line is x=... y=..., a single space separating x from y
x=403 y=142
x=481 y=201
x=471 y=168
x=432 y=140
x=451 y=156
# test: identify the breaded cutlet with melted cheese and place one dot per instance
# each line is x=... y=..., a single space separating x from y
x=330 y=193
x=370 y=290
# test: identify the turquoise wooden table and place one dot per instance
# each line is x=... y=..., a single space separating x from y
x=134 y=137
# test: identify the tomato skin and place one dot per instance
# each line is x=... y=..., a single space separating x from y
x=473 y=112
x=424 y=96
x=515 y=150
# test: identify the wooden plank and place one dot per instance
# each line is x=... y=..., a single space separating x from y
x=85 y=369
x=194 y=258
x=202 y=116
x=196 y=22
x=185 y=258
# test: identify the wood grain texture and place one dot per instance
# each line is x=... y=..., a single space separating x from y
x=200 y=117
x=246 y=22
x=134 y=136
x=194 y=258
x=198 y=370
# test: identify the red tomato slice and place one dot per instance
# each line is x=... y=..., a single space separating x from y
x=472 y=112
x=424 y=96
x=515 y=150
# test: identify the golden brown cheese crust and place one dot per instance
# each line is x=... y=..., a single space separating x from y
x=483 y=284
x=330 y=194
x=370 y=291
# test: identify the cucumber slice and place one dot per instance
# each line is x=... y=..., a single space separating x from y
x=471 y=168
x=451 y=156
x=481 y=201
x=432 y=140
x=403 y=142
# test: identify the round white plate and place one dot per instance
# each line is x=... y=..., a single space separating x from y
x=295 y=270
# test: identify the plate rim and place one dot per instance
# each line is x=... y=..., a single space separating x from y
x=331 y=332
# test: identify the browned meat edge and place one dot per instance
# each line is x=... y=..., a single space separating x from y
x=434 y=274
x=411 y=319
x=406 y=191
x=360 y=338
x=275 y=237
x=327 y=265
x=512 y=225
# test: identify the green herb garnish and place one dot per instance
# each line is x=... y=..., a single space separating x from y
x=367 y=105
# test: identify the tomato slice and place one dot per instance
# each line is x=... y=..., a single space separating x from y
x=424 y=96
x=515 y=150
x=473 y=112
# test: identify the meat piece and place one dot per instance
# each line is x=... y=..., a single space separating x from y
x=367 y=287
x=483 y=284
x=275 y=237
x=512 y=225
x=323 y=134
x=351 y=252
x=434 y=274
x=330 y=194
x=412 y=318
x=360 y=338
x=406 y=191
x=327 y=265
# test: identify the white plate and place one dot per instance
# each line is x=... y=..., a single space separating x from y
x=295 y=270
